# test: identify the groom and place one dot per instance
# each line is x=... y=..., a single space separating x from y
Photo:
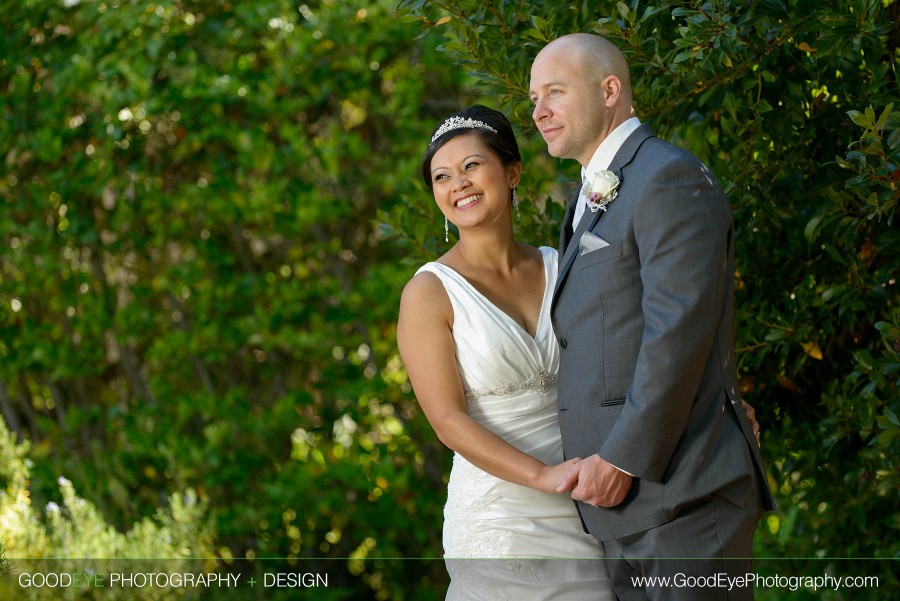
x=672 y=481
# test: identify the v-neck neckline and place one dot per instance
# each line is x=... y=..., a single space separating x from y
x=507 y=316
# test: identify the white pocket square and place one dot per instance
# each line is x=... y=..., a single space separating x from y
x=590 y=242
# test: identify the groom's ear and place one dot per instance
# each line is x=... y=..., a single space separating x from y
x=611 y=86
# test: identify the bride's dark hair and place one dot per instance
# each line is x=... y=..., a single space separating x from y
x=502 y=143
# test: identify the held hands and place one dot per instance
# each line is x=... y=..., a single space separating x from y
x=596 y=482
x=550 y=476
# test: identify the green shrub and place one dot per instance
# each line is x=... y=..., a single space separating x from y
x=63 y=536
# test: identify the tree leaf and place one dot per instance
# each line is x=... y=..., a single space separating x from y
x=812 y=349
x=809 y=232
x=860 y=119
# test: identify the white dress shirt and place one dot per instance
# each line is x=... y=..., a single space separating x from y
x=603 y=156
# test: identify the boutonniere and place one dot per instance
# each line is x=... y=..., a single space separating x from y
x=601 y=188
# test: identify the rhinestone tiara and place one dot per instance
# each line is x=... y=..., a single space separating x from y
x=458 y=123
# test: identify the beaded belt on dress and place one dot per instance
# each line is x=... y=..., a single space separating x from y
x=542 y=381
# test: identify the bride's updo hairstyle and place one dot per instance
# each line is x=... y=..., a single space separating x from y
x=491 y=126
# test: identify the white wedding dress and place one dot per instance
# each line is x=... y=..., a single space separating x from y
x=504 y=541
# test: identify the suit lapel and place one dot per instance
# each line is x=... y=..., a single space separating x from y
x=588 y=221
x=569 y=250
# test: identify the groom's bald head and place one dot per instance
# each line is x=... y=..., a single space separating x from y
x=596 y=57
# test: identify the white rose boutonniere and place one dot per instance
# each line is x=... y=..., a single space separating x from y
x=601 y=188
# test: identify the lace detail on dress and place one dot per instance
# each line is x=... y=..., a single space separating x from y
x=470 y=571
x=463 y=538
x=543 y=381
x=525 y=571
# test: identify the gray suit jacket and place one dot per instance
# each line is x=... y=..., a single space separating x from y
x=646 y=333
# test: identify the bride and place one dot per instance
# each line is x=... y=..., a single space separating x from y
x=474 y=332
x=475 y=335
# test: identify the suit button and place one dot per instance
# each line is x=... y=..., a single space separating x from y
x=562 y=342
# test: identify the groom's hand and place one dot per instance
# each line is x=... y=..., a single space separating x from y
x=597 y=482
x=570 y=479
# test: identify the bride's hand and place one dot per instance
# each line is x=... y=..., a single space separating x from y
x=552 y=475
x=751 y=415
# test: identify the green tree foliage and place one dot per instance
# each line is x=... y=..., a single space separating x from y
x=792 y=104
x=193 y=291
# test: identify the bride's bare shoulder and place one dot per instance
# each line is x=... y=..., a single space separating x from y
x=423 y=295
x=425 y=312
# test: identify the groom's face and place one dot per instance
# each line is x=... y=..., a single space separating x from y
x=569 y=106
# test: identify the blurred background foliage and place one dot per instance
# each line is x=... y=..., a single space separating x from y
x=208 y=210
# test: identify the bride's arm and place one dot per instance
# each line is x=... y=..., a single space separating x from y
x=425 y=340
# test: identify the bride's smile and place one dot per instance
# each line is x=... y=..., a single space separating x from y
x=471 y=185
x=464 y=202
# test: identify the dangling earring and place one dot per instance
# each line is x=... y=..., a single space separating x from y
x=515 y=203
x=446 y=230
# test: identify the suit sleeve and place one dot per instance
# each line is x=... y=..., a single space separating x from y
x=682 y=229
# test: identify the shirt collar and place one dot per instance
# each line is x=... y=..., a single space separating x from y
x=607 y=150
